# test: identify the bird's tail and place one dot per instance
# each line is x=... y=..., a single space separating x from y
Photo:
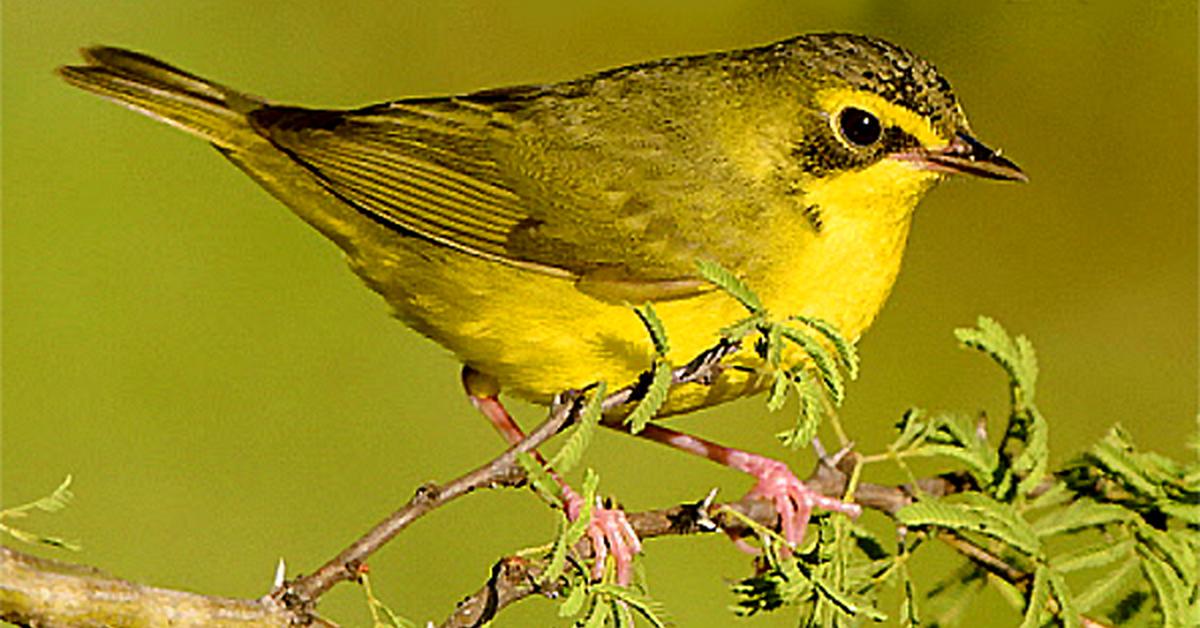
x=166 y=93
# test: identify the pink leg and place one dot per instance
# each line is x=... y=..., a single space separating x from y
x=609 y=531
x=793 y=500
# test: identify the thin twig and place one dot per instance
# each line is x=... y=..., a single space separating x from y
x=301 y=593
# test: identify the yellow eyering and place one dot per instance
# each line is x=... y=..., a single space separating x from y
x=834 y=100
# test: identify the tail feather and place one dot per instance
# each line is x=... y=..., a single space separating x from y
x=166 y=93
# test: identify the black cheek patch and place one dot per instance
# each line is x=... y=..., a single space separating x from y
x=821 y=154
x=897 y=141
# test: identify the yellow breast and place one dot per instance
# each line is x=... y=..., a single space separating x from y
x=539 y=335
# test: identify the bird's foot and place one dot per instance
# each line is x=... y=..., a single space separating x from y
x=610 y=535
x=793 y=499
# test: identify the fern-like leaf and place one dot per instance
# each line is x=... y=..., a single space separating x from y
x=1093 y=556
x=1105 y=587
x=656 y=329
x=1168 y=588
x=581 y=435
x=981 y=515
x=1035 y=608
x=724 y=279
x=646 y=606
x=780 y=385
x=1015 y=356
x=540 y=480
x=808 y=415
x=653 y=400
x=821 y=358
x=1083 y=513
x=846 y=351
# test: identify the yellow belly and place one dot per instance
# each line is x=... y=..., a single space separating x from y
x=539 y=335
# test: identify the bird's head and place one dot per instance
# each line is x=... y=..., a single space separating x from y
x=880 y=123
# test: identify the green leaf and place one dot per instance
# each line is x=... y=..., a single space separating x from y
x=622 y=615
x=646 y=606
x=1173 y=550
x=572 y=532
x=781 y=583
x=1170 y=591
x=1010 y=593
x=1028 y=366
x=573 y=603
x=654 y=325
x=821 y=359
x=539 y=479
x=1067 y=612
x=1055 y=496
x=909 y=614
x=1034 y=458
x=808 y=417
x=742 y=328
x=1017 y=357
x=39 y=539
x=653 y=400
x=846 y=350
x=1105 y=587
x=558 y=554
x=913 y=426
x=600 y=613
x=1093 y=556
x=1187 y=513
x=58 y=499
x=722 y=278
x=1083 y=513
x=1035 y=608
x=780 y=385
x=1114 y=454
x=581 y=434
x=955 y=437
x=845 y=604
x=772 y=336
x=979 y=514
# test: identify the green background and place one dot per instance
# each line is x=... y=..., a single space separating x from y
x=227 y=394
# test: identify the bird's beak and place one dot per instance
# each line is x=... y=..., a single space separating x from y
x=965 y=155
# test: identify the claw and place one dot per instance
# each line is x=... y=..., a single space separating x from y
x=609 y=530
x=793 y=499
x=610 y=535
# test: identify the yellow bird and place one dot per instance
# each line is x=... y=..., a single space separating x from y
x=517 y=226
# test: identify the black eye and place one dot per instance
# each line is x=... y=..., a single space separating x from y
x=859 y=127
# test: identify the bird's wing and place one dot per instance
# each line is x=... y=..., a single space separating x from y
x=425 y=169
x=488 y=178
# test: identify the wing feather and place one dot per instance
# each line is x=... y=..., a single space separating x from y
x=427 y=168
x=621 y=192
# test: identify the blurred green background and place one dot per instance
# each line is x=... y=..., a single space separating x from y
x=227 y=394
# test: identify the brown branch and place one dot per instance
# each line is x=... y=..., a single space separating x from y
x=513 y=579
x=35 y=591
x=985 y=559
x=41 y=592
